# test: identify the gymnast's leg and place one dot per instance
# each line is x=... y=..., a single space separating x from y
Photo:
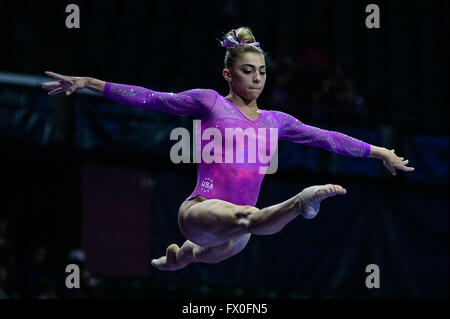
x=179 y=257
x=213 y=226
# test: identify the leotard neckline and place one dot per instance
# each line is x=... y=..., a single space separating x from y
x=242 y=113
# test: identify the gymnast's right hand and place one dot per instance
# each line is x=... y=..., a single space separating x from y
x=69 y=84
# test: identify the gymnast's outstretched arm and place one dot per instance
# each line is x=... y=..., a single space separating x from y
x=195 y=102
x=291 y=129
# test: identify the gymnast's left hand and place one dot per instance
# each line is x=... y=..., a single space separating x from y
x=392 y=162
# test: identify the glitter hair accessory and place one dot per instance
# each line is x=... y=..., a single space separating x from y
x=230 y=42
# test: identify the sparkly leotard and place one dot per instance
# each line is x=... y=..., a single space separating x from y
x=235 y=178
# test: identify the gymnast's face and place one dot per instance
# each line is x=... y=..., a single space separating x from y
x=247 y=77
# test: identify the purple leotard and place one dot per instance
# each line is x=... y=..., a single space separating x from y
x=236 y=182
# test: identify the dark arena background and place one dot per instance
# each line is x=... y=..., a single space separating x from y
x=89 y=182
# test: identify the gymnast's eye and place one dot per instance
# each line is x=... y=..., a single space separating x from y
x=247 y=71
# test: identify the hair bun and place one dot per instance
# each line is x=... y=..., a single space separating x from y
x=243 y=34
x=240 y=36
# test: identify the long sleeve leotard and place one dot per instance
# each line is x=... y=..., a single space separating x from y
x=236 y=181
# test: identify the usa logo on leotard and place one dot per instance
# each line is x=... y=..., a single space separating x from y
x=207 y=185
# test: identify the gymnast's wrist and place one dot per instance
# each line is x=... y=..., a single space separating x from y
x=94 y=85
x=378 y=152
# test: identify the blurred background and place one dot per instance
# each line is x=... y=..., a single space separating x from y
x=89 y=182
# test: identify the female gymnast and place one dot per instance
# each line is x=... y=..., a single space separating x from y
x=218 y=220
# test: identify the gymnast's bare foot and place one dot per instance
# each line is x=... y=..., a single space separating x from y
x=310 y=198
x=169 y=261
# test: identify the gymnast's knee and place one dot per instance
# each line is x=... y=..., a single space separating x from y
x=245 y=216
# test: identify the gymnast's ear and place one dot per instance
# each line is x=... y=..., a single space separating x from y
x=226 y=75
